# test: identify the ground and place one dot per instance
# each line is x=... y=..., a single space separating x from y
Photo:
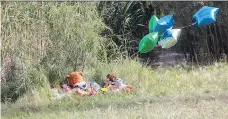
x=186 y=106
x=162 y=93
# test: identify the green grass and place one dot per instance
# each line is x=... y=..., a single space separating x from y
x=179 y=92
x=61 y=37
x=44 y=41
x=180 y=107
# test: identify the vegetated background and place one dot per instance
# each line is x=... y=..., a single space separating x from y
x=44 y=41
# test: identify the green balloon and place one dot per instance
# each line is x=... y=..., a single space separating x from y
x=152 y=23
x=148 y=42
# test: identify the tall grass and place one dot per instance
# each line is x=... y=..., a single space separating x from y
x=43 y=41
x=49 y=39
x=183 y=85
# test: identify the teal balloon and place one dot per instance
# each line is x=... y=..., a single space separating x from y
x=148 y=42
x=206 y=15
x=152 y=23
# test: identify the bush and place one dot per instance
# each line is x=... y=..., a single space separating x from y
x=52 y=39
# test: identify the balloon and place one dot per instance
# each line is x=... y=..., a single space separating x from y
x=205 y=15
x=164 y=23
x=170 y=38
x=148 y=42
x=176 y=33
x=152 y=23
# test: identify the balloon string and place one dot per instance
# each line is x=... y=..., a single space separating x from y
x=189 y=25
x=134 y=54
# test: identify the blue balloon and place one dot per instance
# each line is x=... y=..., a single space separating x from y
x=168 y=33
x=164 y=23
x=206 y=15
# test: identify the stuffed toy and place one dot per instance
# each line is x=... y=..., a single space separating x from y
x=71 y=81
x=73 y=78
x=82 y=89
x=74 y=83
x=111 y=86
x=87 y=88
x=116 y=84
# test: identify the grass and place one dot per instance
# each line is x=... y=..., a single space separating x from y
x=177 y=92
x=44 y=41
x=60 y=37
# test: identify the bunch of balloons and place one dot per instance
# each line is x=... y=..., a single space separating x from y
x=161 y=32
x=150 y=40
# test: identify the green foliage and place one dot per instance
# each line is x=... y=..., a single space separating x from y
x=43 y=41
x=47 y=40
x=152 y=86
x=129 y=22
x=126 y=20
x=74 y=38
x=52 y=39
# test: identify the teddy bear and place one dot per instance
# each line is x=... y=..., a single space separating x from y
x=73 y=78
x=71 y=81
x=74 y=83
x=68 y=85
x=116 y=84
